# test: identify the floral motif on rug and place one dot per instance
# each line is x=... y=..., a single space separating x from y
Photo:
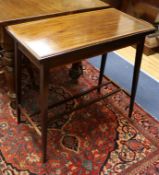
x=99 y=139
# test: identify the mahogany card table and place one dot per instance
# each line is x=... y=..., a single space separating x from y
x=16 y=11
x=72 y=38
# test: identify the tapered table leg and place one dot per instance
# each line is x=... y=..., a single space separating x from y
x=138 y=58
x=18 y=61
x=102 y=69
x=44 y=108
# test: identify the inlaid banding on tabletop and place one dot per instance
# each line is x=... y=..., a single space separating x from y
x=61 y=34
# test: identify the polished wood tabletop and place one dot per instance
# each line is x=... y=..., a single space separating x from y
x=58 y=36
x=14 y=10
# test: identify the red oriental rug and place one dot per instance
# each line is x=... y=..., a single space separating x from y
x=99 y=139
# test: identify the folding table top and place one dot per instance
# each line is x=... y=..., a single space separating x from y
x=55 y=37
x=19 y=10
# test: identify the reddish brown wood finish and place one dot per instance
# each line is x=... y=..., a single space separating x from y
x=55 y=37
x=73 y=38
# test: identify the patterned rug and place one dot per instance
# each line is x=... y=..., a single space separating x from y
x=99 y=139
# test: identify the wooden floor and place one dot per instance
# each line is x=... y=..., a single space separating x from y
x=150 y=64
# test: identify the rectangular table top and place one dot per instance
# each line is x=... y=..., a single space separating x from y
x=19 y=10
x=61 y=35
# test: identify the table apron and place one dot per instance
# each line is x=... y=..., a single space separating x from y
x=90 y=51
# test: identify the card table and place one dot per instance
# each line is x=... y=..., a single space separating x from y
x=15 y=11
x=92 y=33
